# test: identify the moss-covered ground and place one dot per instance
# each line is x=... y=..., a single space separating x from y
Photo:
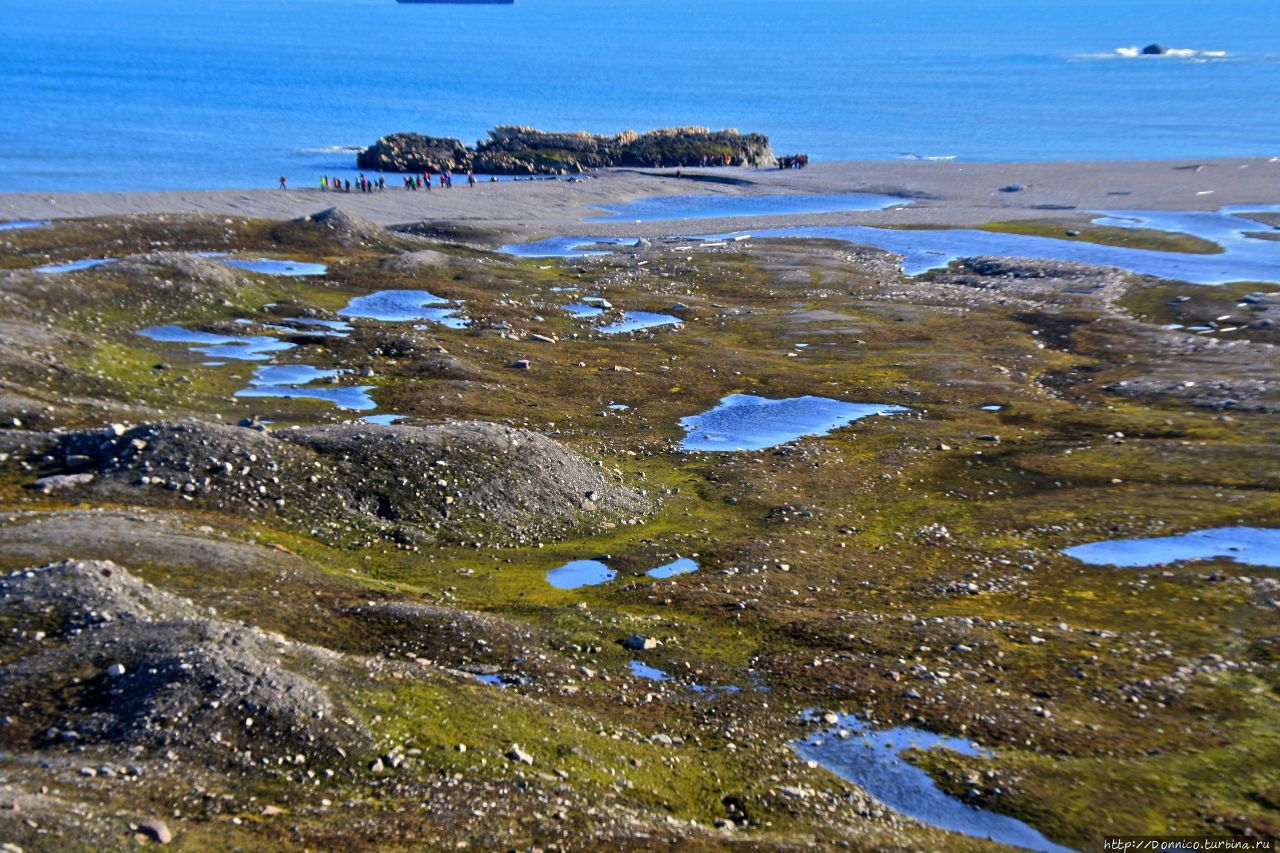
x=842 y=572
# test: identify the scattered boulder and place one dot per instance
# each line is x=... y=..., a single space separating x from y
x=156 y=830
x=62 y=482
x=640 y=642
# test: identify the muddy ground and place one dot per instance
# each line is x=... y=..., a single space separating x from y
x=274 y=638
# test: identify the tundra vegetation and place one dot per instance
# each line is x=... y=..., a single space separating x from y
x=262 y=623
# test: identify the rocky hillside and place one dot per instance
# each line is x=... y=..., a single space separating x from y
x=526 y=151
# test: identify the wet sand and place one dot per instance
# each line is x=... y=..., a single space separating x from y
x=953 y=194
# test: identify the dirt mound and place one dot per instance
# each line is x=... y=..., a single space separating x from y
x=481 y=474
x=415 y=262
x=117 y=662
x=453 y=482
x=348 y=230
x=177 y=270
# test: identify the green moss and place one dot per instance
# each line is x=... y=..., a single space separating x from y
x=1107 y=235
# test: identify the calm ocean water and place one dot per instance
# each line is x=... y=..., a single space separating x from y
x=139 y=94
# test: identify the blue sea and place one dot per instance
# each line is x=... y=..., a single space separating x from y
x=162 y=94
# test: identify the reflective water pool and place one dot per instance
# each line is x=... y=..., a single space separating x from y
x=402 y=306
x=384 y=420
x=580 y=573
x=337 y=327
x=871 y=759
x=1244 y=258
x=1256 y=546
x=22 y=224
x=643 y=670
x=681 y=566
x=659 y=208
x=565 y=247
x=290 y=381
x=241 y=348
x=273 y=266
x=634 y=321
x=580 y=310
x=746 y=422
x=72 y=266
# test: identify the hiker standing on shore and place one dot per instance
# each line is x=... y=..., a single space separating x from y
x=284 y=183
x=471 y=178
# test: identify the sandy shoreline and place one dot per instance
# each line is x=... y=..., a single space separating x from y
x=955 y=194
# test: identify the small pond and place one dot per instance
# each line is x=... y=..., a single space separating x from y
x=579 y=573
x=635 y=321
x=871 y=759
x=581 y=310
x=402 y=306
x=681 y=566
x=290 y=381
x=240 y=348
x=272 y=266
x=746 y=422
x=1255 y=546
x=72 y=266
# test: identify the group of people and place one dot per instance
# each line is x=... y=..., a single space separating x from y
x=793 y=161
x=423 y=181
x=365 y=185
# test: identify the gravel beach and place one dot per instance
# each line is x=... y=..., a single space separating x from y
x=943 y=193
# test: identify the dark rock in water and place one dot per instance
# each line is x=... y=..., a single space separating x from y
x=526 y=151
x=1013 y=188
x=413 y=152
x=1155 y=50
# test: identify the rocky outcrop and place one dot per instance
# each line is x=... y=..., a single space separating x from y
x=526 y=151
x=413 y=152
